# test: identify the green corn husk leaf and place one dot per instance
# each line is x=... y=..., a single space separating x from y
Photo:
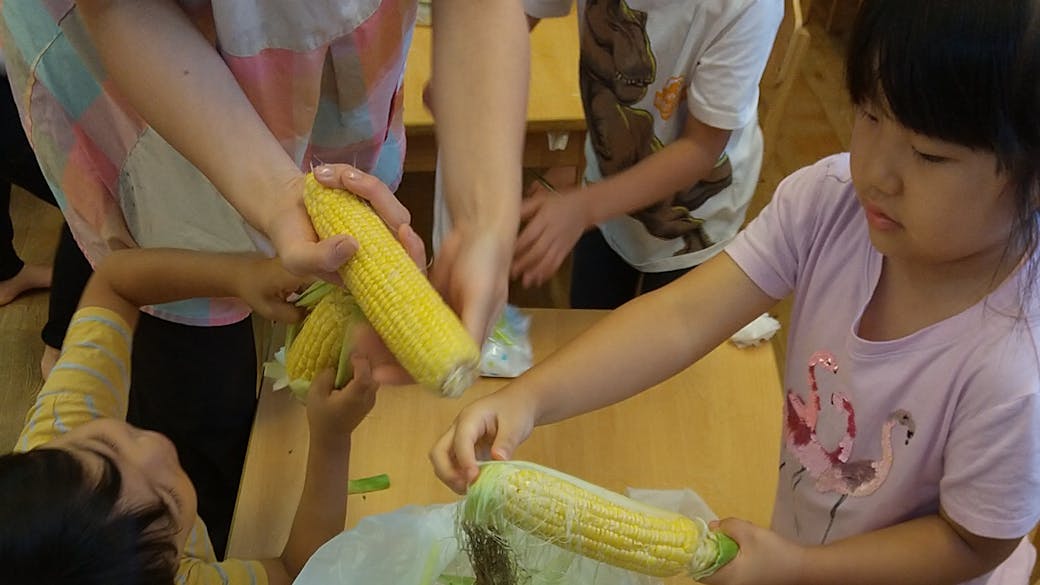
x=314 y=293
x=345 y=369
x=369 y=484
x=290 y=334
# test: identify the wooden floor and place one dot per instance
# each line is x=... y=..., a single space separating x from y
x=36 y=227
x=818 y=124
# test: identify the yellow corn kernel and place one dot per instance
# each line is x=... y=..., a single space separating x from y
x=593 y=522
x=319 y=342
x=418 y=327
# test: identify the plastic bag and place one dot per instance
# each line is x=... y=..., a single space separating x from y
x=507 y=352
x=417 y=545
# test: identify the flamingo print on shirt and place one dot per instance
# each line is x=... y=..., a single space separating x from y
x=831 y=468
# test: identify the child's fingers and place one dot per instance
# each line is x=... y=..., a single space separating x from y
x=358 y=397
x=361 y=388
x=734 y=528
x=321 y=386
x=320 y=259
x=523 y=265
x=283 y=312
x=530 y=205
x=362 y=373
x=446 y=466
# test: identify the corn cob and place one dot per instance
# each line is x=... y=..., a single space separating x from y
x=411 y=317
x=590 y=521
x=319 y=343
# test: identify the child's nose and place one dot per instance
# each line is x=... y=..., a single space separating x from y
x=884 y=169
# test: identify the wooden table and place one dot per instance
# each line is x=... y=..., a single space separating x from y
x=554 y=103
x=714 y=427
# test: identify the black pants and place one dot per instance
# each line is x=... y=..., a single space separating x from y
x=18 y=166
x=197 y=386
x=601 y=279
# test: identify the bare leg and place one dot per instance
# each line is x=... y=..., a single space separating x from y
x=30 y=277
x=50 y=357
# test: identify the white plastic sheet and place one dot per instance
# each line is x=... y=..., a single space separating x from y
x=417 y=545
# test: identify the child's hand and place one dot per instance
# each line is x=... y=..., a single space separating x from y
x=553 y=222
x=491 y=427
x=334 y=413
x=265 y=284
x=765 y=557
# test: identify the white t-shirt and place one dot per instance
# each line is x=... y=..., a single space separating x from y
x=695 y=57
x=948 y=415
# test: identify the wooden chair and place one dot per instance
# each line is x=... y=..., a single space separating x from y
x=807 y=10
x=785 y=62
x=1036 y=567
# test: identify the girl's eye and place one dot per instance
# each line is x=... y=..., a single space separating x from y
x=929 y=158
x=870 y=117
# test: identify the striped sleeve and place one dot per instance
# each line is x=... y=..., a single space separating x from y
x=199 y=566
x=194 y=571
x=91 y=379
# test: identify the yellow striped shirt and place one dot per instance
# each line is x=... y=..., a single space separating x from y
x=92 y=380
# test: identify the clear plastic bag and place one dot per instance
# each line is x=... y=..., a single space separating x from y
x=507 y=351
x=418 y=545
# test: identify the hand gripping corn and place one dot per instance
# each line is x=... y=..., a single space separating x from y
x=593 y=522
x=413 y=320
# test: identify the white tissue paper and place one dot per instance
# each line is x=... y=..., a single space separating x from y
x=761 y=329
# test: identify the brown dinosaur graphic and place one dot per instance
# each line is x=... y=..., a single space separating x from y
x=617 y=65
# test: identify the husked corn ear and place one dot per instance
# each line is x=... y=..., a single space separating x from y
x=593 y=522
x=413 y=320
x=319 y=342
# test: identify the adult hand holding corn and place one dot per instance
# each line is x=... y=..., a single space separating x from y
x=392 y=292
x=303 y=252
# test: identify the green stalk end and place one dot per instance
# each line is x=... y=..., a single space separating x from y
x=365 y=485
x=726 y=549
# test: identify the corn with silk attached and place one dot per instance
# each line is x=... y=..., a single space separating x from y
x=418 y=327
x=593 y=522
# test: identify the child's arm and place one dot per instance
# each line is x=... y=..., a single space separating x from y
x=554 y=222
x=678 y=166
x=631 y=349
x=932 y=549
x=128 y=279
x=332 y=415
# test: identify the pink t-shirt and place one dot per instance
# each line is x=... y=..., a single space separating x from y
x=878 y=433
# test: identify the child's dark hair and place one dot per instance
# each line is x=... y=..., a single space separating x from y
x=59 y=526
x=961 y=71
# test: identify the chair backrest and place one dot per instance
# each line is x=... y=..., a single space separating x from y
x=785 y=62
x=1036 y=567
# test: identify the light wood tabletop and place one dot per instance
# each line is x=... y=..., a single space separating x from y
x=714 y=427
x=554 y=101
